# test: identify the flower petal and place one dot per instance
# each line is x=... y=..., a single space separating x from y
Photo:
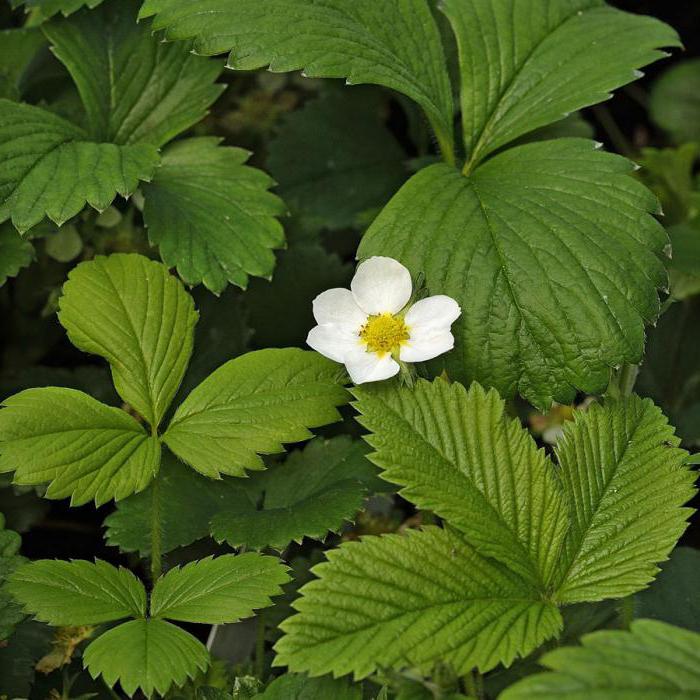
x=332 y=340
x=381 y=285
x=436 y=313
x=338 y=306
x=366 y=366
x=425 y=346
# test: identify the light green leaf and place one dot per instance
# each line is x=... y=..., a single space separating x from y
x=86 y=450
x=77 y=592
x=626 y=482
x=17 y=48
x=296 y=686
x=10 y=611
x=150 y=655
x=254 y=404
x=414 y=600
x=394 y=43
x=335 y=161
x=218 y=591
x=129 y=310
x=180 y=490
x=525 y=63
x=50 y=167
x=313 y=492
x=457 y=453
x=212 y=216
x=65 y=244
x=550 y=251
x=135 y=88
x=653 y=660
x=15 y=252
x=49 y=8
x=675 y=101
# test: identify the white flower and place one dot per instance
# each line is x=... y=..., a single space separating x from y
x=369 y=326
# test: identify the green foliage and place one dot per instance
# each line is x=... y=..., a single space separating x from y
x=48 y=8
x=313 y=492
x=212 y=216
x=252 y=405
x=215 y=591
x=299 y=687
x=674 y=103
x=653 y=660
x=135 y=308
x=35 y=145
x=544 y=68
x=86 y=450
x=17 y=48
x=15 y=252
x=77 y=592
x=335 y=161
x=540 y=335
x=148 y=654
x=10 y=559
x=18 y=658
x=366 y=42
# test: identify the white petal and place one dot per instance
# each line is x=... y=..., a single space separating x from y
x=381 y=285
x=332 y=340
x=425 y=346
x=434 y=314
x=338 y=306
x=366 y=366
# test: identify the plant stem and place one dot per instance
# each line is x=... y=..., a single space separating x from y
x=445 y=142
x=260 y=647
x=623 y=381
x=474 y=684
x=156 y=535
x=626 y=611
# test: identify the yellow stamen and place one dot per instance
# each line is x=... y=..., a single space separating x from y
x=384 y=333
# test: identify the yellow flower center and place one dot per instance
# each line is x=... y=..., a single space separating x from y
x=384 y=333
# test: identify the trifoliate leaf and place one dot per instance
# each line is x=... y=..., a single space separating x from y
x=281 y=310
x=296 y=686
x=15 y=252
x=148 y=654
x=180 y=490
x=135 y=88
x=393 y=43
x=626 y=482
x=653 y=660
x=135 y=314
x=674 y=103
x=455 y=452
x=86 y=450
x=212 y=216
x=673 y=596
x=526 y=64
x=17 y=48
x=550 y=251
x=313 y=492
x=50 y=167
x=77 y=592
x=10 y=612
x=414 y=600
x=335 y=161
x=49 y=8
x=220 y=590
x=254 y=404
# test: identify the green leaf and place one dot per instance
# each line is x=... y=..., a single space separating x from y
x=64 y=245
x=128 y=309
x=29 y=642
x=86 y=450
x=148 y=654
x=15 y=252
x=626 y=482
x=673 y=596
x=675 y=103
x=10 y=612
x=526 y=64
x=212 y=216
x=414 y=600
x=17 y=48
x=335 y=161
x=77 y=592
x=653 y=660
x=456 y=452
x=49 y=8
x=135 y=88
x=313 y=492
x=252 y=405
x=395 y=43
x=552 y=256
x=50 y=167
x=294 y=686
x=218 y=591
x=180 y=490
